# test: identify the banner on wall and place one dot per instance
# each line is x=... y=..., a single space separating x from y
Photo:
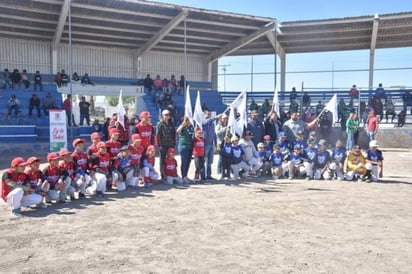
x=58 y=129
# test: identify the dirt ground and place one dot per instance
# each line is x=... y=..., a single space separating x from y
x=255 y=226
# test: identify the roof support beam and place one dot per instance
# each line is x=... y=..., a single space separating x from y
x=372 y=50
x=231 y=47
x=60 y=24
x=272 y=37
x=163 y=32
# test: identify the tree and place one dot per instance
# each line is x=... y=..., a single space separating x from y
x=114 y=100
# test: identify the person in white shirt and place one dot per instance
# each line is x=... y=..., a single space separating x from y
x=251 y=154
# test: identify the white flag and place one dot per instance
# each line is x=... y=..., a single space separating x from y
x=188 y=106
x=198 y=115
x=237 y=125
x=332 y=106
x=275 y=103
x=120 y=112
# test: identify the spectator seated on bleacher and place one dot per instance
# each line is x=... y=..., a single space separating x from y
x=34 y=103
x=380 y=92
x=377 y=106
x=407 y=101
x=86 y=80
x=6 y=80
x=253 y=106
x=75 y=78
x=158 y=84
x=265 y=108
x=401 y=119
x=13 y=105
x=37 y=81
x=25 y=80
x=389 y=110
x=15 y=79
x=49 y=103
x=64 y=78
x=58 y=79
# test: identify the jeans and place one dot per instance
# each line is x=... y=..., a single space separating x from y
x=31 y=110
x=350 y=141
x=371 y=135
x=16 y=110
x=200 y=167
x=186 y=157
x=83 y=117
x=7 y=84
x=209 y=153
x=38 y=85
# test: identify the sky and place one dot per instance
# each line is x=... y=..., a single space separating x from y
x=329 y=61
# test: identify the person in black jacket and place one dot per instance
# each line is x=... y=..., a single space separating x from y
x=34 y=103
x=272 y=126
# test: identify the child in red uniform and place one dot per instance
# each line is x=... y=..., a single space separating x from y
x=150 y=174
x=58 y=180
x=81 y=164
x=15 y=187
x=113 y=149
x=35 y=176
x=67 y=165
x=136 y=153
x=199 y=153
x=101 y=166
x=170 y=168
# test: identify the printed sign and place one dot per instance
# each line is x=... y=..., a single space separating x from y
x=58 y=129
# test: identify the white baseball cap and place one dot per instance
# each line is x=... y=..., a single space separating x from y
x=165 y=112
x=373 y=143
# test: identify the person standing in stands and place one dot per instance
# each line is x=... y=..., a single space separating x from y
x=15 y=79
x=25 y=80
x=67 y=106
x=182 y=85
x=7 y=81
x=148 y=84
x=84 y=107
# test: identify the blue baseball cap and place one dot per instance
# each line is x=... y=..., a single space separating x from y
x=282 y=134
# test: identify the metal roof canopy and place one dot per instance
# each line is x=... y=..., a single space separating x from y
x=146 y=26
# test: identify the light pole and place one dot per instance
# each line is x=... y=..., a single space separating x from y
x=224 y=75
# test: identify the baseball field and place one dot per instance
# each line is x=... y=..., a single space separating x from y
x=255 y=226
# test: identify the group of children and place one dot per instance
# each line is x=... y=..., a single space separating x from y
x=299 y=159
x=109 y=165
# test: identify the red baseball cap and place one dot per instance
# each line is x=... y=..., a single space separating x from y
x=19 y=161
x=100 y=145
x=151 y=148
x=64 y=151
x=33 y=159
x=78 y=141
x=136 y=137
x=95 y=135
x=114 y=131
x=53 y=156
x=171 y=150
x=198 y=129
x=145 y=114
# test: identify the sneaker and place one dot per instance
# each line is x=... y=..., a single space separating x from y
x=62 y=201
x=100 y=194
x=81 y=195
x=275 y=177
x=290 y=178
x=186 y=180
x=16 y=213
x=72 y=198
x=211 y=178
x=308 y=178
x=196 y=181
x=48 y=201
x=147 y=185
x=221 y=178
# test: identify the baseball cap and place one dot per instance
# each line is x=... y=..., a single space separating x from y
x=19 y=161
x=171 y=150
x=78 y=141
x=53 y=156
x=151 y=148
x=100 y=145
x=63 y=152
x=249 y=133
x=311 y=141
x=322 y=142
x=266 y=137
x=312 y=133
x=165 y=112
x=275 y=146
x=114 y=131
x=124 y=148
x=373 y=143
x=198 y=129
x=33 y=159
x=234 y=138
x=95 y=135
x=136 y=137
x=254 y=112
x=299 y=133
x=145 y=114
x=297 y=147
x=260 y=145
x=282 y=134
